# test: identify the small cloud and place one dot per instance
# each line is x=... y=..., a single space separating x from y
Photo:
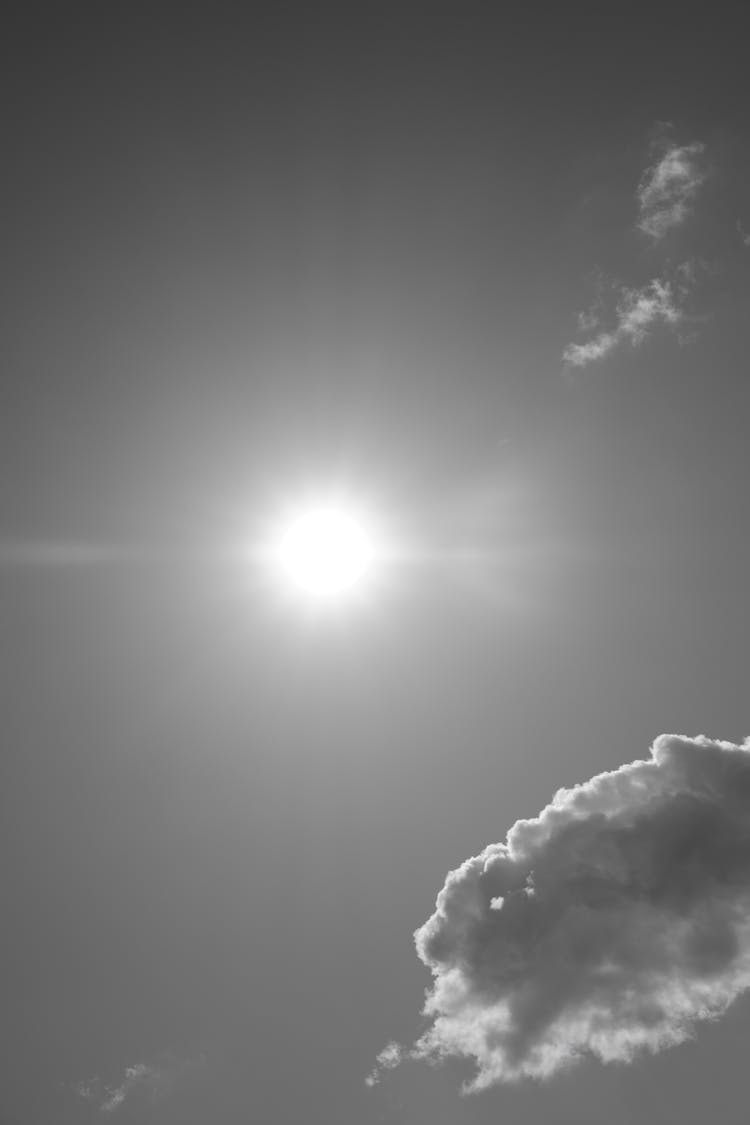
x=667 y=189
x=114 y=1100
x=638 y=312
x=390 y=1057
x=579 y=355
x=139 y=1075
x=607 y=926
x=744 y=236
x=153 y=1079
x=588 y=320
x=87 y=1090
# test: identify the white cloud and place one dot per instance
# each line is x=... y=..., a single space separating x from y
x=114 y=1099
x=637 y=312
x=668 y=188
x=608 y=925
x=389 y=1057
x=139 y=1075
x=744 y=236
x=156 y=1080
x=665 y=196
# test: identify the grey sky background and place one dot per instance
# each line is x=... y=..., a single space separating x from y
x=250 y=251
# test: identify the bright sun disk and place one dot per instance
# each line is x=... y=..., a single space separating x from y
x=325 y=552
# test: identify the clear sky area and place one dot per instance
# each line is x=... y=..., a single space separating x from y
x=374 y=404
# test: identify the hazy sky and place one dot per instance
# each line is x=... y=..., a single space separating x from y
x=485 y=267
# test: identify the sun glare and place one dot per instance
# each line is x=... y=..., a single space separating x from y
x=325 y=553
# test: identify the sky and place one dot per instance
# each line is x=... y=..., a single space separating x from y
x=483 y=270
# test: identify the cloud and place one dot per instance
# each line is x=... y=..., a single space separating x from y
x=114 y=1100
x=136 y=1076
x=665 y=197
x=743 y=234
x=87 y=1089
x=389 y=1057
x=668 y=188
x=155 y=1080
x=638 y=312
x=608 y=925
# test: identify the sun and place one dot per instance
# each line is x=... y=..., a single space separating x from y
x=325 y=553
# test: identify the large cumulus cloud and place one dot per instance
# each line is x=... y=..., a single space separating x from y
x=609 y=924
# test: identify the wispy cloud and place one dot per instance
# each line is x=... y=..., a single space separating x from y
x=638 y=311
x=87 y=1089
x=153 y=1079
x=665 y=196
x=668 y=188
x=389 y=1057
x=610 y=924
x=139 y=1075
x=744 y=236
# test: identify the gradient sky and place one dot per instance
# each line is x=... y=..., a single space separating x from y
x=252 y=252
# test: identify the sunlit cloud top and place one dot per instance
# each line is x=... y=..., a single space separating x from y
x=606 y=926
